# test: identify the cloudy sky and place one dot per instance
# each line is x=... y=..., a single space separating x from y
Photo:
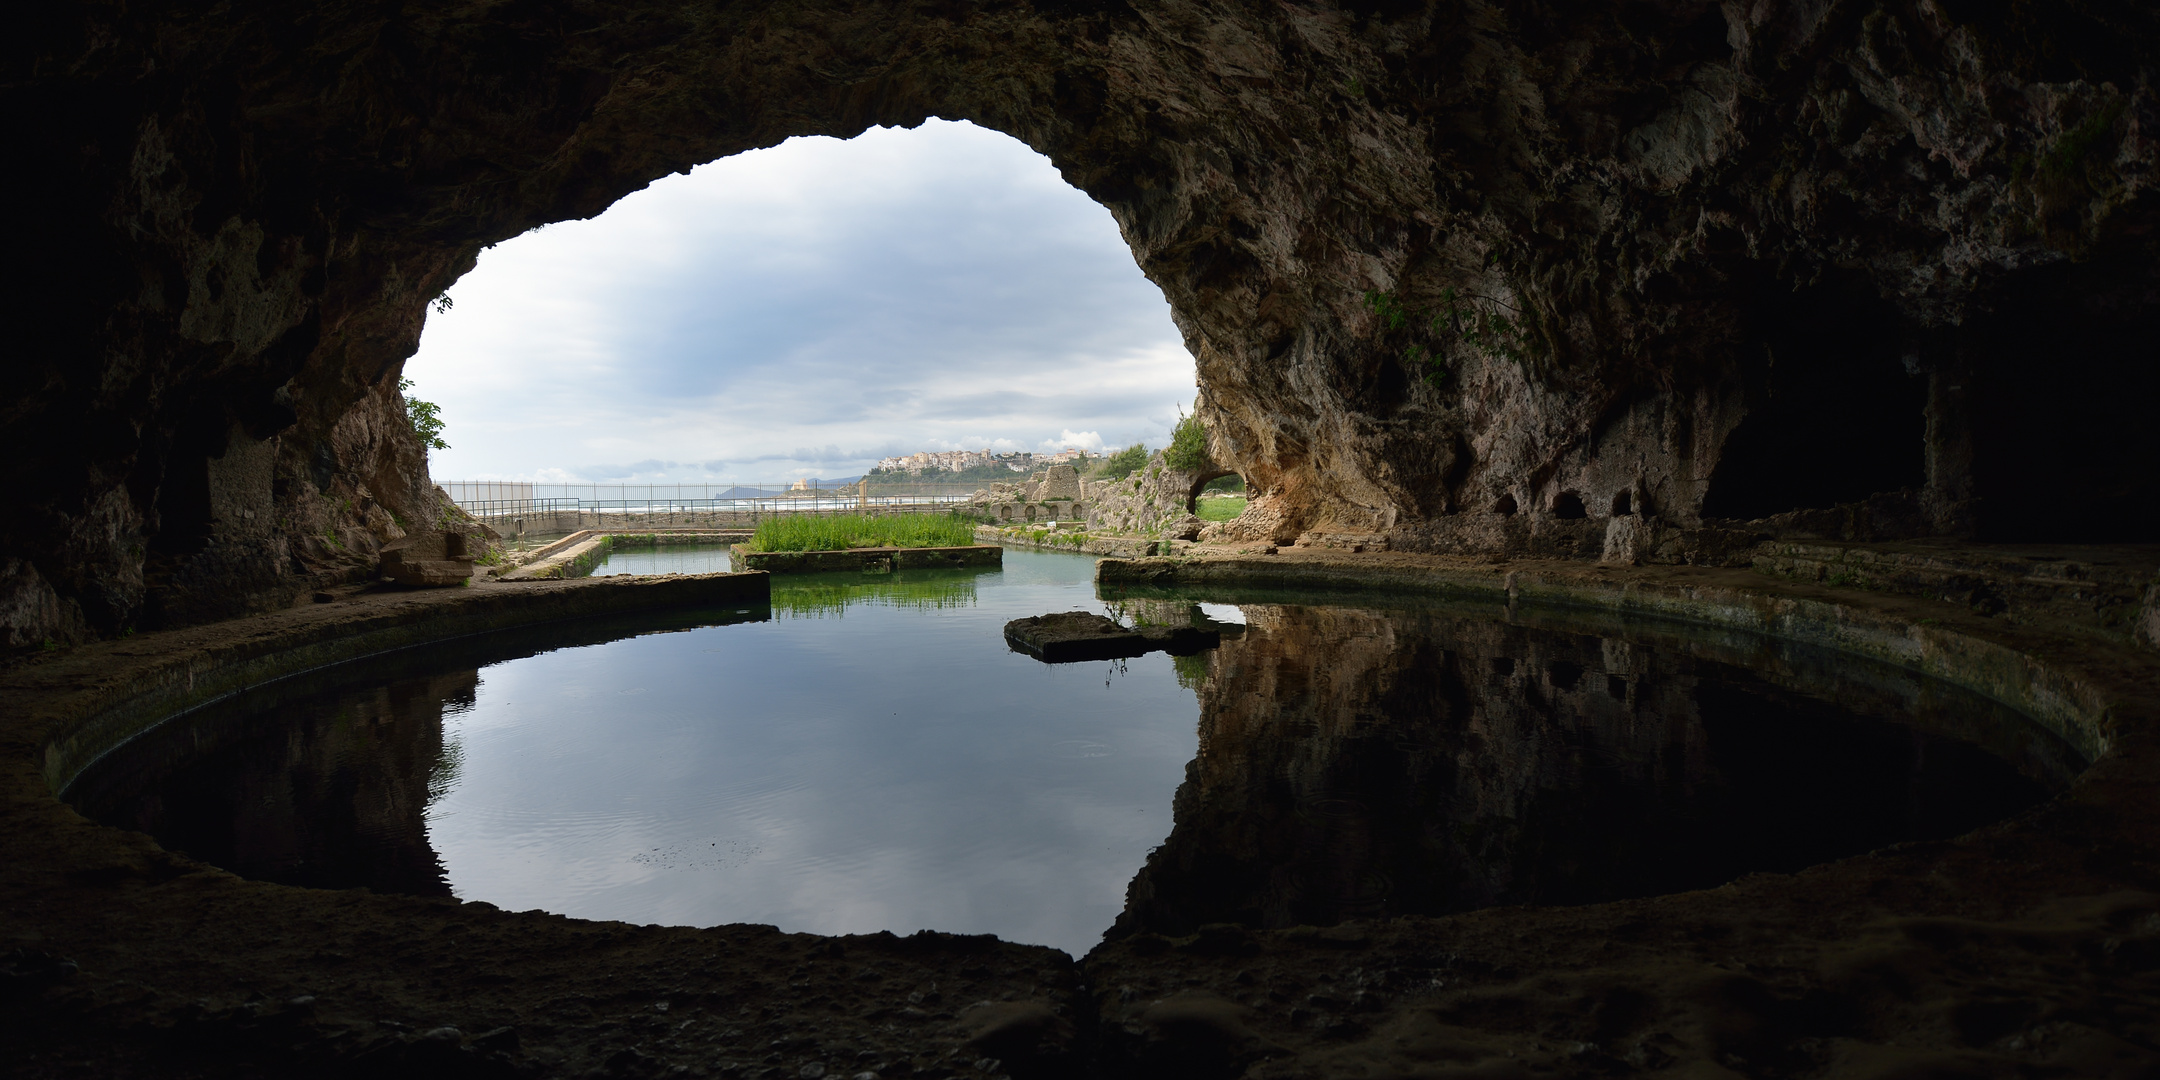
x=802 y=311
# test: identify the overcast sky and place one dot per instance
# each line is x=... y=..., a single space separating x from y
x=802 y=311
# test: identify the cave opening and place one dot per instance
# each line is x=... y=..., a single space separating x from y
x=1835 y=410
x=807 y=310
x=1202 y=481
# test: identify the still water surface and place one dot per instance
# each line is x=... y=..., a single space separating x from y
x=867 y=755
x=666 y=559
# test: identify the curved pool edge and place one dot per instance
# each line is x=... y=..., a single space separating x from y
x=143 y=681
x=184 y=967
x=2065 y=686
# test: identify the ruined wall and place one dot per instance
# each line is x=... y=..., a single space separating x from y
x=1436 y=260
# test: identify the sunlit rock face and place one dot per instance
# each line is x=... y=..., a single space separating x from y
x=1552 y=279
x=1367 y=764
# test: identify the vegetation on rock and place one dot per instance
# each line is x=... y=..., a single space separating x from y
x=1122 y=464
x=425 y=416
x=1188 y=450
x=1454 y=321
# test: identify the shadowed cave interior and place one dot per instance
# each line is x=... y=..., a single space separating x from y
x=1688 y=290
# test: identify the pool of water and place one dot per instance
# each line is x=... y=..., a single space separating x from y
x=629 y=558
x=1358 y=762
x=866 y=754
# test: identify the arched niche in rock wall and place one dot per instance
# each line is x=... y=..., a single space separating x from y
x=1200 y=481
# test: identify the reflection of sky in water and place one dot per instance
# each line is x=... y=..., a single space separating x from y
x=893 y=769
x=1224 y=613
x=667 y=559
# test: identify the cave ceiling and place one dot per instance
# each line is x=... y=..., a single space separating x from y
x=1682 y=262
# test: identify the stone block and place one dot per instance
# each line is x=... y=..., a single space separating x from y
x=431 y=558
x=1075 y=636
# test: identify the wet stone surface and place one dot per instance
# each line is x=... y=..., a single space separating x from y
x=1075 y=636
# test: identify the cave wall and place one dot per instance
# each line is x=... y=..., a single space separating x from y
x=1437 y=261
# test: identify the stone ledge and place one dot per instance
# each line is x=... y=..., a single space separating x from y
x=1044 y=538
x=580 y=553
x=137 y=682
x=1949 y=641
x=869 y=559
x=573 y=556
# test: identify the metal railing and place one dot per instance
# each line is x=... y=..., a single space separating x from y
x=549 y=505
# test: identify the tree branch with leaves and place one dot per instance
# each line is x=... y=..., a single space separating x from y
x=425 y=417
x=1457 y=319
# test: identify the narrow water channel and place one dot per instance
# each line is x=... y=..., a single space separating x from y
x=633 y=558
x=868 y=755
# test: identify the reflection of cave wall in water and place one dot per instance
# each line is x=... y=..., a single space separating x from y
x=239 y=222
x=1359 y=764
x=305 y=794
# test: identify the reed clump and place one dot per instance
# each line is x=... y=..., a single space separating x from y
x=840 y=532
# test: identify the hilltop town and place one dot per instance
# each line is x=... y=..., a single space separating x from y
x=1019 y=461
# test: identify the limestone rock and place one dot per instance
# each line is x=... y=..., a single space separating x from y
x=433 y=558
x=1156 y=501
x=1456 y=276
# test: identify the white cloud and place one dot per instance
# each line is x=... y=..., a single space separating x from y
x=1085 y=440
x=804 y=310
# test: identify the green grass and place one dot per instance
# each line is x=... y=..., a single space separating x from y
x=1219 y=509
x=842 y=531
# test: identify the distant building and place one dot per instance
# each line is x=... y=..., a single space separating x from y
x=1019 y=461
x=938 y=461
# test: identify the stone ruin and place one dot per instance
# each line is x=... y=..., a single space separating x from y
x=1053 y=494
x=431 y=557
x=1155 y=502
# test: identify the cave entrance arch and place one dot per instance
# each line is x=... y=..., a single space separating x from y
x=1200 y=482
x=938 y=288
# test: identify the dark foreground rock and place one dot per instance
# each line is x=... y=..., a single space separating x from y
x=2029 y=948
x=1081 y=635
